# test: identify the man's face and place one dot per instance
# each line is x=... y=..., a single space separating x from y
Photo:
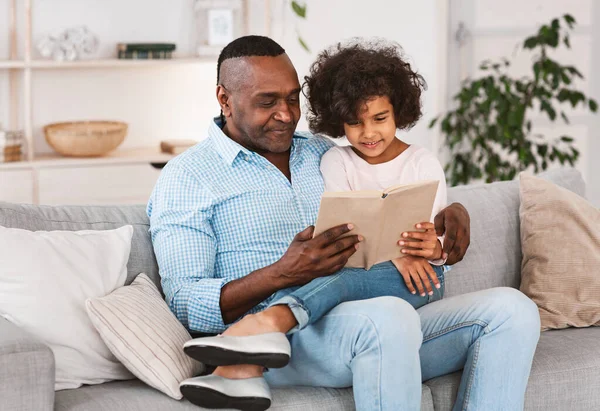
x=263 y=108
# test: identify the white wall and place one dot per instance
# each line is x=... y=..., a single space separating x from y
x=413 y=24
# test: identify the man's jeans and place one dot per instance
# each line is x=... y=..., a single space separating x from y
x=312 y=301
x=385 y=348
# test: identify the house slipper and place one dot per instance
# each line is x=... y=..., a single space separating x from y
x=270 y=350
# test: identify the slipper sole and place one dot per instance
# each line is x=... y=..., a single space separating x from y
x=209 y=398
x=217 y=356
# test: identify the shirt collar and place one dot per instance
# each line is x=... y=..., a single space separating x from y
x=229 y=149
x=226 y=147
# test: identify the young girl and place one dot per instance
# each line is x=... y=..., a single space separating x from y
x=366 y=93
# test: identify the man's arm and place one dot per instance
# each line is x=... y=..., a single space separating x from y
x=305 y=259
x=455 y=224
x=180 y=213
x=185 y=245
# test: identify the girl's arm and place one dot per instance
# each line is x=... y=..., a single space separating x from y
x=429 y=168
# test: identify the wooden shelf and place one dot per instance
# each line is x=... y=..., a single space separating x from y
x=124 y=156
x=12 y=64
x=114 y=63
x=105 y=63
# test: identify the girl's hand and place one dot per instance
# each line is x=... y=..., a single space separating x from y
x=422 y=244
x=419 y=271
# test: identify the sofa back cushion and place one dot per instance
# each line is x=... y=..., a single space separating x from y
x=494 y=256
x=76 y=218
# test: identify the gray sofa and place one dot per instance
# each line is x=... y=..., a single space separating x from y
x=566 y=368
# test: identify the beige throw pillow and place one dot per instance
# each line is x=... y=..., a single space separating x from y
x=560 y=237
x=141 y=331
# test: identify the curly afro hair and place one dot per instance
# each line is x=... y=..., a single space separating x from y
x=345 y=76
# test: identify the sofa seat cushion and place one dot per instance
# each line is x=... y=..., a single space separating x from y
x=134 y=395
x=564 y=376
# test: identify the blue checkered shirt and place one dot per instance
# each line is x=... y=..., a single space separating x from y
x=219 y=212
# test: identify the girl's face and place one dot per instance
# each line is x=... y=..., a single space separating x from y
x=373 y=134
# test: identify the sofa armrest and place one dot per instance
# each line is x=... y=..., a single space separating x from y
x=26 y=371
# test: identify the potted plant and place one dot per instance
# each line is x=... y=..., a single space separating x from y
x=489 y=133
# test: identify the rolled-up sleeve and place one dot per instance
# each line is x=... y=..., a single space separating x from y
x=180 y=211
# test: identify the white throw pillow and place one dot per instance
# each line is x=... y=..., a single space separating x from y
x=141 y=331
x=45 y=279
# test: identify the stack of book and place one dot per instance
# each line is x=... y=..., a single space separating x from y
x=143 y=51
x=11 y=143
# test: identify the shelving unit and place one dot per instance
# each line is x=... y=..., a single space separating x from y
x=36 y=178
x=28 y=65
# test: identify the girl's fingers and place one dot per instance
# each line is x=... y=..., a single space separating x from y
x=416 y=252
x=432 y=275
x=418 y=245
x=425 y=226
x=425 y=279
x=418 y=282
x=409 y=283
x=406 y=277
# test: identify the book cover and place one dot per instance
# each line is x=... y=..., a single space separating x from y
x=379 y=216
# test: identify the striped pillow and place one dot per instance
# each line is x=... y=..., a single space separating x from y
x=141 y=331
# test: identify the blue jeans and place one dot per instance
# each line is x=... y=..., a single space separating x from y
x=384 y=349
x=310 y=302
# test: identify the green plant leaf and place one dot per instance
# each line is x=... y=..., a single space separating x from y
x=593 y=105
x=555 y=24
x=432 y=123
x=570 y=20
x=531 y=42
x=547 y=107
x=564 y=117
x=300 y=10
x=572 y=70
x=567 y=41
x=566 y=139
x=303 y=44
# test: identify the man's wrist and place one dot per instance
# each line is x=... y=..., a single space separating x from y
x=279 y=276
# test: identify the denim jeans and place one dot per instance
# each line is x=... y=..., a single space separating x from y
x=384 y=349
x=310 y=302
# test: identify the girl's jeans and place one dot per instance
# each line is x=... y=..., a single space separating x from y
x=312 y=301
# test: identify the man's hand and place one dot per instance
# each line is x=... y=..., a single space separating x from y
x=419 y=271
x=307 y=258
x=454 y=222
x=422 y=244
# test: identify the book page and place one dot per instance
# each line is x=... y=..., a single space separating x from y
x=364 y=211
x=403 y=208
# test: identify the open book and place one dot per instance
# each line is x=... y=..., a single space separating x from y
x=379 y=216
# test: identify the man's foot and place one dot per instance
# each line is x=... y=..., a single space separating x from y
x=278 y=318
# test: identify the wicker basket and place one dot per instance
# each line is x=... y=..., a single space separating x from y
x=85 y=138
